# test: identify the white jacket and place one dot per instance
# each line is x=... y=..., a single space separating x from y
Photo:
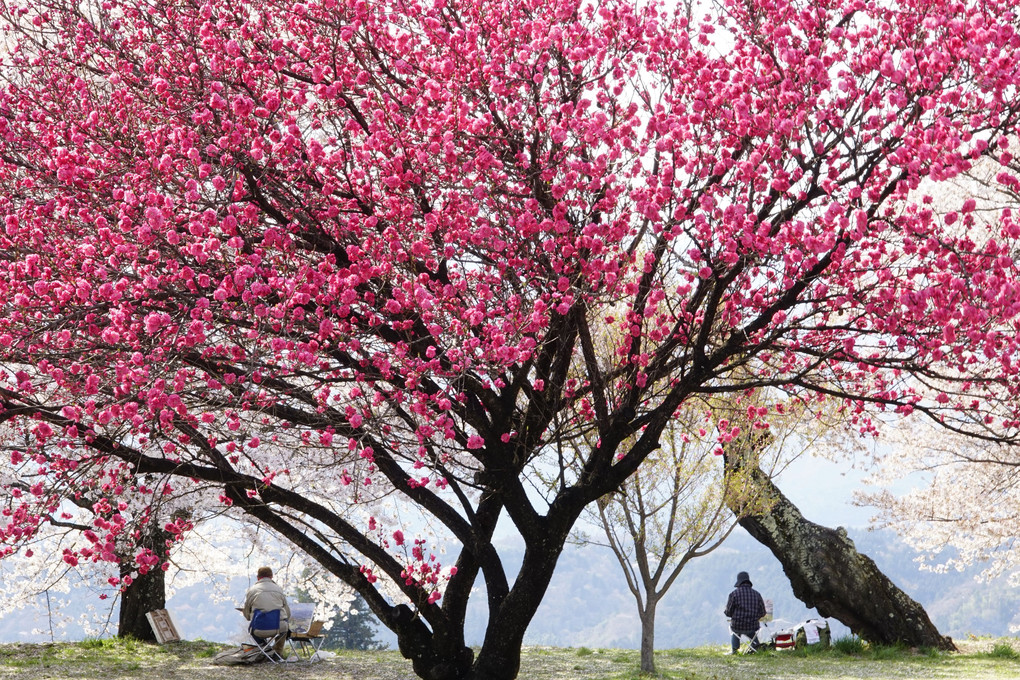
x=267 y=596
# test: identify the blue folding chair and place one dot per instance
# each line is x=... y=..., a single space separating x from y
x=267 y=630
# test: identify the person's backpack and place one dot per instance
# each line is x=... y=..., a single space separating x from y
x=812 y=632
x=784 y=640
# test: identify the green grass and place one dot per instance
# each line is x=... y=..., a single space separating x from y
x=206 y=650
x=94 y=643
x=986 y=659
x=1003 y=650
x=883 y=652
x=812 y=650
x=99 y=656
x=12 y=658
x=846 y=658
x=851 y=645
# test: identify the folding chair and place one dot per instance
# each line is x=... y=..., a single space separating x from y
x=754 y=640
x=267 y=630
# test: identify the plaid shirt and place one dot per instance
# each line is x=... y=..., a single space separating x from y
x=744 y=607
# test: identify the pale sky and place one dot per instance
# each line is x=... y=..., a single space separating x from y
x=823 y=490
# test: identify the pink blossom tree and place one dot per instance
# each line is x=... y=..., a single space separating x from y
x=342 y=260
x=958 y=506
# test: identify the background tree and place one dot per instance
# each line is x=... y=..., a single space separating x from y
x=350 y=626
x=354 y=630
x=826 y=570
x=676 y=507
x=132 y=588
x=959 y=508
x=342 y=261
x=110 y=534
x=124 y=546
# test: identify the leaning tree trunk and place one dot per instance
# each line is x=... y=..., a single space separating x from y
x=146 y=592
x=828 y=573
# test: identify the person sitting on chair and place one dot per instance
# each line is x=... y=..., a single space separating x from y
x=266 y=596
x=744 y=607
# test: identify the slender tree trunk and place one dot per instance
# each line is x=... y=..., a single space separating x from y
x=648 y=636
x=828 y=573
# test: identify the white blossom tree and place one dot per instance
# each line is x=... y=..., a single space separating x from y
x=962 y=506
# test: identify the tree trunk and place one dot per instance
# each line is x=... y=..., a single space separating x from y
x=146 y=592
x=500 y=655
x=828 y=573
x=648 y=637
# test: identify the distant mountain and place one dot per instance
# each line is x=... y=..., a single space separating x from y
x=588 y=603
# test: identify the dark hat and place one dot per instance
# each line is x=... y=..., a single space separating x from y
x=742 y=577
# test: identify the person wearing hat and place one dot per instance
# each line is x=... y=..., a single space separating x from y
x=265 y=597
x=744 y=608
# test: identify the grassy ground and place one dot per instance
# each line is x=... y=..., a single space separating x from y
x=129 y=660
